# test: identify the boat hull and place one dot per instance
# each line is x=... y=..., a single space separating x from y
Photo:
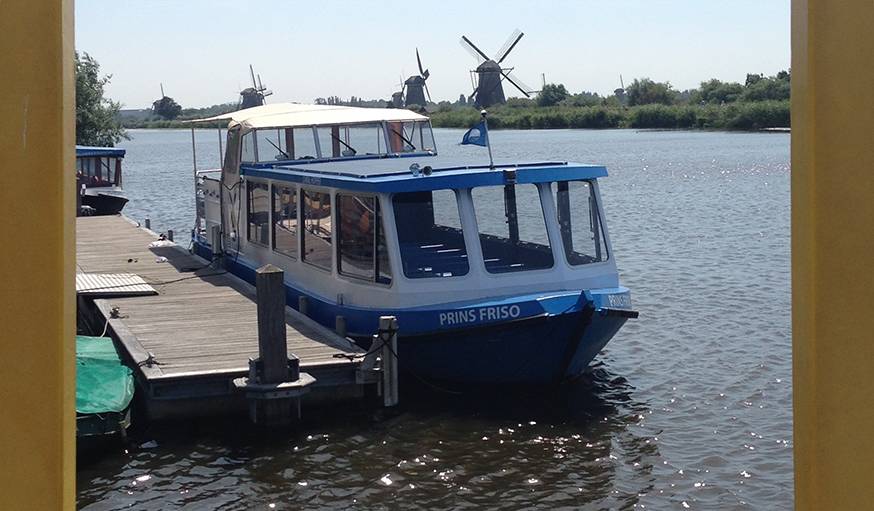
x=542 y=338
x=540 y=350
x=104 y=204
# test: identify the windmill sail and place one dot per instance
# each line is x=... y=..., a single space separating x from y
x=509 y=45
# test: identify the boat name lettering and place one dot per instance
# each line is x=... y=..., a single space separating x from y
x=619 y=301
x=463 y=316
x=308 y=180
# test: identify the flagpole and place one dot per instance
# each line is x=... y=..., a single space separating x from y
x=488 y=141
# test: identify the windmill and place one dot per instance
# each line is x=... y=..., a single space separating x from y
x=397 y=98
x=620 y=92
x=415 y=86
x=488 y=89
x=254 y=95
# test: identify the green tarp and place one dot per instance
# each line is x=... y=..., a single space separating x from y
x=103 y=383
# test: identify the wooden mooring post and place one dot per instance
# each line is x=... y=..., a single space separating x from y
x=388 y=336
x=275 y=384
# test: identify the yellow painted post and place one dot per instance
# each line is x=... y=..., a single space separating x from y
x=37 y=259
x=833 y=252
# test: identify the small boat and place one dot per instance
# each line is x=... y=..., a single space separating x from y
x=497 y=274
x=98 y=174
x=104 y=388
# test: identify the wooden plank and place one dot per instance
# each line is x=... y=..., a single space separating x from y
x=200 y=323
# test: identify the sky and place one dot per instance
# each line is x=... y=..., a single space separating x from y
x=201 y=50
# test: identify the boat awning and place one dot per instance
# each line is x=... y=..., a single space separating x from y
x=290 y=115
x=99 y=152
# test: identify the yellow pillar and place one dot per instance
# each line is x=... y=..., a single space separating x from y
x=37 y=257
x=833 y=252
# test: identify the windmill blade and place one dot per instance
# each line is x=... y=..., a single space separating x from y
x=473 y=50
x=519 y=84
x=424 y=72
x=509 y=45
x=252 y=71
x=266 y=92
x=473 y=94
x=260 y=85
x=428 y=93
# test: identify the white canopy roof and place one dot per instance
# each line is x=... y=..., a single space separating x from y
x=289 y=115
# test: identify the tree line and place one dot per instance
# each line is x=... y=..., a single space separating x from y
x=760 y=102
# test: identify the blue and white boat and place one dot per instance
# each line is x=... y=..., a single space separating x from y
x=98 y=176
x=496 y=275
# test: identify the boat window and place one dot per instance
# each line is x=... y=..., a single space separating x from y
x=410 y=136
x=512 y=228
x=354 y=140
x=429 y=234
x=303 y=145
x=97 y=172
x=258 y=228
x=579 y=222
x=361 y=239
x=272 y=145
x=285 y=220
x=247 y=154
x=316 y=238
x=232 y=152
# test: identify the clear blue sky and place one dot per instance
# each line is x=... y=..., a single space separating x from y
x=201 y=50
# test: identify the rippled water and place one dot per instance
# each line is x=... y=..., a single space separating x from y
x=688 y=407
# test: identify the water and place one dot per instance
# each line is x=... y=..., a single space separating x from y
x=688 y=407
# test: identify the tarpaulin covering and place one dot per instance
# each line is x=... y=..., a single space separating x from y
x=103 y=383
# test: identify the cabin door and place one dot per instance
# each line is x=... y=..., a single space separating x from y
x=231 y=192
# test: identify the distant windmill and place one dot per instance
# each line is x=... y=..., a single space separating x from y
x=416 y=87
x=397 y=98
x=254 y=95
x=620 y=92
x=488 y=89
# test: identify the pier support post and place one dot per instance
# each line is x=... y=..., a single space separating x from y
x=148 y=223
x=275 y=383
x=272 y=341
x=340 y=326
x=388 y=336
x=832 y=243
x=170 y=234
x=38 y=295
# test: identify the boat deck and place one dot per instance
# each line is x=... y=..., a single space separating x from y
x=190 y=340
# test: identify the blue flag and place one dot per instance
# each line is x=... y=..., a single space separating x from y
x=478 y=135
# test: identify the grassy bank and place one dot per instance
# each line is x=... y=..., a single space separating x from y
x=734 y=116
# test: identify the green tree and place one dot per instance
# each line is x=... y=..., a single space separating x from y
x=552 y=94
x=767 y=89
x=582 y=99
x=752 y=79
x=166 y=108
x=715 y=91
x=97 y=121
x=645 y=91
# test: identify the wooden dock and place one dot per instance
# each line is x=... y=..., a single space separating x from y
x=190 y=340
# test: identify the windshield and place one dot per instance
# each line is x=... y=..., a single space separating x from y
x=339 y=141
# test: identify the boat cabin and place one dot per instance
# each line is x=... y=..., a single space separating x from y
x=358 y=209
x=99 y=167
